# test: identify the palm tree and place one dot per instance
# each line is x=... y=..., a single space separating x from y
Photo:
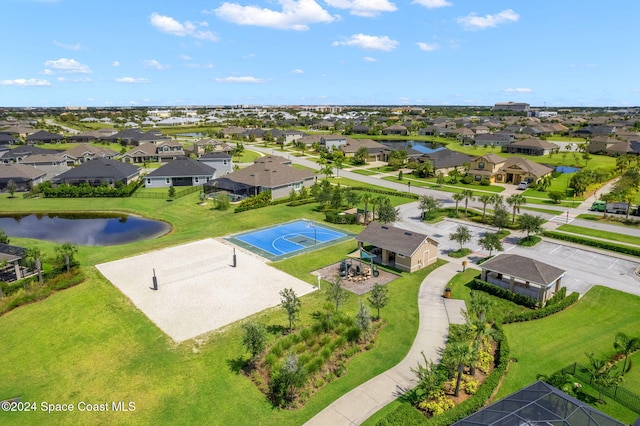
x=457 y=197
x=468 y=195
x=515 y=201
x=497 y=200
x=485 y=199
x=625 y=346
x=459 y=352
x=365 y=199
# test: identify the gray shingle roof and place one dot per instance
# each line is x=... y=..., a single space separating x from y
x=524 y=268
x=100 y=168
x=183 y=167
x=391 y=238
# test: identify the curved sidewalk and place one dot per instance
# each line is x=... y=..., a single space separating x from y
x=360 y=403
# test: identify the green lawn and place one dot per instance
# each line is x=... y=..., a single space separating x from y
x=447 y=187
x=365 y=172
x=90 y=344
x=549 y=344
x=591 y=232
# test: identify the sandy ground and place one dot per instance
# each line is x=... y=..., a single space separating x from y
x=359 y=287
x=198 y=289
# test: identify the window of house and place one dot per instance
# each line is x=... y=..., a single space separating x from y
x=297 y=186
x=481 y=165
x=498 y=178
x=400 y=256
x=167 y=180
x=477 y=177
x=197 y=179
x=224 y=162
x=148 y=181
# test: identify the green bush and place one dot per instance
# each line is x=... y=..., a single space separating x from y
x=344 y=219
x=485 y=182
x=519 y=299
x=541 y=313
x=529 y=241
x=85 y=190
x=556 y=298
x=457 y=254
x=606 y=245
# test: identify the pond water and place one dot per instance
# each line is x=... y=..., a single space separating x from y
x=83 y=229
x=192 y=134
x=421 y=146
x=566 y=169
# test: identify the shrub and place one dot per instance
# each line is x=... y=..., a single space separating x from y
x=606 y=245
x=467 y=180
x=560 y=295
x=457 y=254
x=336 y=217
x=485 y=182
x=436 y=403
x=541 y=313
x=470 y=385
x=519 y=299
x=529 y=241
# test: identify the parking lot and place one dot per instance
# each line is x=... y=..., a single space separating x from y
x=585 y=268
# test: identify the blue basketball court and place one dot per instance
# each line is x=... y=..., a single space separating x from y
x=288 y=239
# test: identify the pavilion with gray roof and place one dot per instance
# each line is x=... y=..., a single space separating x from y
x=523 y=275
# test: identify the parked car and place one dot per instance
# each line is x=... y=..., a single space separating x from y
x=523 y=185
x=598 y=206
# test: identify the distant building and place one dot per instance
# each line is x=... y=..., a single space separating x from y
x=511 y=106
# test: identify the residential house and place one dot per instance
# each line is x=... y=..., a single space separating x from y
x=153 y=152
x=624 y=148
x=222 y=162
x=494 y=139
x=444 y=160
x=43 y=136
x=523 y=275
x=180 y=172
x=269 y=173
x=361 y=129
x=601 y=144
x=22 y=176
x=51 y=163
x=9 y=138
x=136 y=137
x=99 y=171
x=82 y=153
x=375 y=150
x=395 y=129
x=530 y=147
x=91 y=135
x=21 y=152
x=506 y=170
x=398 y=248
x=207 y=145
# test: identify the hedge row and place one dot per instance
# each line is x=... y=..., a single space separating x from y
x=386 y=192
x=407 y=415
x=87 y=191
x=302 y=202
x=519 y=299
x=35 y=292
x=244 y=208
x=619 y=248
x=344 y=219
x=544 y=312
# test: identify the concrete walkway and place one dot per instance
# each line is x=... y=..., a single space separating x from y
x=359 y=404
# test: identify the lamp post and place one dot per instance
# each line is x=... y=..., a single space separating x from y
x=409 y=186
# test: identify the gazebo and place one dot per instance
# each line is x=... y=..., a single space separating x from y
x=523 y=275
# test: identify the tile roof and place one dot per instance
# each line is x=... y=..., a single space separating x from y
x=100 y=168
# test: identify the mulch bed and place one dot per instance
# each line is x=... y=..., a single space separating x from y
x=357 y=287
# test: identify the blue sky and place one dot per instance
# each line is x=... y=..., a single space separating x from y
x=359 y=52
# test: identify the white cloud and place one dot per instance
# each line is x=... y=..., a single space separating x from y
x=115 y=63
x=369 y=59
x=185 y=57
x=428 y=47
x=474 y=22
x=132 y=80
x=69 y=66
x=245 y=79
x=74 y=80
x=432 y=4
x=366 y=8
x=518 y=90
x=152 y=63
x=168 y=25
x=297 y=71
x=46 y=72
x=295 y=15
x=68 y=46
x=364 y=41
x=25 y=82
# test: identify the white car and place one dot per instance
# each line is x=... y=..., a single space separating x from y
x=523 y=185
